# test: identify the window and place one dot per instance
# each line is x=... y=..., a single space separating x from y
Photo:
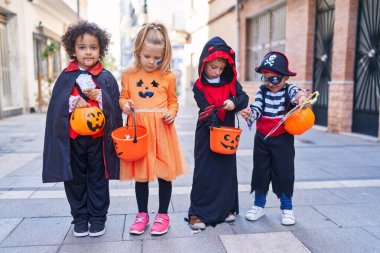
x=266 y=32
x=5 y=82
x=47 y=66
x=47 y=57
x=56 y=58
x=40 y=65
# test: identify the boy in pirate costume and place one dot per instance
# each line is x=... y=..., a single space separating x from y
x=273 y=157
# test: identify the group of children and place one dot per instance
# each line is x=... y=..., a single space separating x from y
x=86 y=163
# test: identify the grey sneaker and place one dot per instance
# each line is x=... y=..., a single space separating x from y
x=255 y=213
x=288 y=218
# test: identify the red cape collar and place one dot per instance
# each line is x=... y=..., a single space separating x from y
x=94 y=70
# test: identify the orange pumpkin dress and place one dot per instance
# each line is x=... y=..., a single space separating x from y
x=153 y=94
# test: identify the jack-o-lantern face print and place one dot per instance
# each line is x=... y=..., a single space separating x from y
x=95 y=121
x=145 y=92
x=117 y=149
x=230 y=141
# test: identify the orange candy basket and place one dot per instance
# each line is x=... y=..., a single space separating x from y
x=131 y=142
x=87 y=120
x=224 y=140
x=300 y=121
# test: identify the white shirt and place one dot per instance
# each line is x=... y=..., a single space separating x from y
x=84 y=81
x=215 y=80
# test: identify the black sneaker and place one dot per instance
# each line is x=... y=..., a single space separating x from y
x=97 y=228
x=81 y=229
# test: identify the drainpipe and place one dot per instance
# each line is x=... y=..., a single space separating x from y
x=145 y=8
x=78 y=10
x=238 y=35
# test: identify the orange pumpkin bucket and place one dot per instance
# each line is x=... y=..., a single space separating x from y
x=224 y=140
x=131 y=142
x=300 y=121
x=87 y=120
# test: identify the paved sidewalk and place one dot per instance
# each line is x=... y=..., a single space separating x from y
x=336 y=201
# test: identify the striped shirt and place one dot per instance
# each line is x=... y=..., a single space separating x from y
x=274 y=102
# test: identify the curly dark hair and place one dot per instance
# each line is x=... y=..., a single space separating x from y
x=79 y=29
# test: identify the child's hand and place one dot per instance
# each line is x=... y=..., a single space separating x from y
x=229 y=105
x=168 y=117
x=127 y=106
x=301 y=97
x=301 y=100
x=91 y=93
x=245 y=113
x=249 y=116
x=81 y=103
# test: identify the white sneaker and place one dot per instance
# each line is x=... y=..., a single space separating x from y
x=288 y=218
x=255 y=213
x=230 y=218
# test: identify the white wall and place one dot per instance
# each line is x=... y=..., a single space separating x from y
x=26 y=16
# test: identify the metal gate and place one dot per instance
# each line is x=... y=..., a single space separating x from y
x=322 y=57
x=367 y=69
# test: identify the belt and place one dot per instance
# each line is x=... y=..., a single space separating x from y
x=150 y=110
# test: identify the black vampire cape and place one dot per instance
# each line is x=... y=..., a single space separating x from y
x=214 y=191
x=56 y=154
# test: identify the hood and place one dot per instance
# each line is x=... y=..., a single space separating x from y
x=217 y=48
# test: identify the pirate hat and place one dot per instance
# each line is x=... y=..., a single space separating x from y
x=275 y=62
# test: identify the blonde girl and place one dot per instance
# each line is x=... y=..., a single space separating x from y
x=149 y=87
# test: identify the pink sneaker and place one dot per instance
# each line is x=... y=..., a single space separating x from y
x=141 y=221
x=160 y=225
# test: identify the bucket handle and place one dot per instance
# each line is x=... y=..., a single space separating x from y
x=134 y=123
x=81 y=94
x=216 y=112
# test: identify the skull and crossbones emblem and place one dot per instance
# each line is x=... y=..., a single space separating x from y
x=270 y=60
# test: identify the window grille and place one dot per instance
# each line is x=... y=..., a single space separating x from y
x=266 y=32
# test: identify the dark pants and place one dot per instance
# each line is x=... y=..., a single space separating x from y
x=273 y=161
x=88 y=192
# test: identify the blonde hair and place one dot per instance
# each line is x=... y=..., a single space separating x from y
x=156 y=34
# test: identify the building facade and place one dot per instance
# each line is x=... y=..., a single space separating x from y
x=31 y=56
x=204 y=20
x=334 y=46
x=135 y=13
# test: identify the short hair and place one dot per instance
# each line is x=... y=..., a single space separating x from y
x=219 y=59
x=222 y=60
x=79 y=30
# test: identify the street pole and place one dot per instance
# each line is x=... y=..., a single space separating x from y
x=78 y=10
x=238 y=36
x=145 y=12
